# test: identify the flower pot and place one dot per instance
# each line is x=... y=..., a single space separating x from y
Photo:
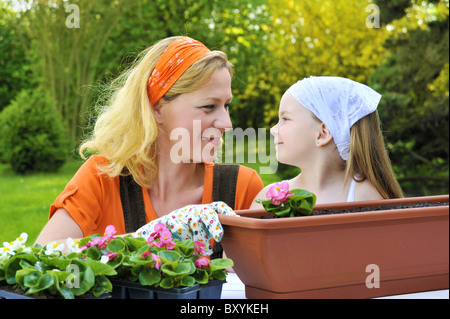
x=134 y=290
x=349 y=255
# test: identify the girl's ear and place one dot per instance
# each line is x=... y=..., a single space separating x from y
x=323 y=135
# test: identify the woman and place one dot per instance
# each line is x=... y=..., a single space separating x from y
x=177 y=86
x=329 y=128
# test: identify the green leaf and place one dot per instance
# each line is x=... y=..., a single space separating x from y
x=13 y=265
x=185 y=268
x=302 y=202
x=201 y=276
x=169 y=256
x=56 y=262
x=117 y=261
x=185 y=248
x=25 y=277
x=116 y=246
x=149 y=277
x=102 y=285
x=100 y=268
x=134 y=243
x=60 y=288
x=86 y=278
x=187 y=281
x=219 y=275
x=38 y=283
x=66 y=292
x=167 y=283
x=299 y=204
x=220 y=263
x=93 y=253
x=22 y=273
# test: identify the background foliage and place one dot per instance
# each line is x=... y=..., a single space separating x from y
x=273 y=43
x=32 y=134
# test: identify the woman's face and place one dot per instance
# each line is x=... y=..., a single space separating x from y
x=295 y=133
x=192 y=124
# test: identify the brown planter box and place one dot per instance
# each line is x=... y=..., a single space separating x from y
x=326 y=256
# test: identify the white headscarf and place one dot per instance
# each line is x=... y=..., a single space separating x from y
x=338 y=103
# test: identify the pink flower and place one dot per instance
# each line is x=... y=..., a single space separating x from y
x=108 y=236
x=110 y=231
x=279 y=193
x=102 y=242
x=198 y=246
x=145 y=254
x=107 y=257
x=202 y=263
x=165 y=240
x=111 y=255
x=159 y=228
x=157 y=260
x=96 y=241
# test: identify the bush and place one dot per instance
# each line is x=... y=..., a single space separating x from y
x=32 y=134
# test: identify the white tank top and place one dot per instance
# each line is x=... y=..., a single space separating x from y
x=351 y=191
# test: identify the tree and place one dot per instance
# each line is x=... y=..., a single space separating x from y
x=414 y=108
x=314 y=38
x=82 y=44
x=15 y=66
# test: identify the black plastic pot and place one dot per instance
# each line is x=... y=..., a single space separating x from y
x=134 y=290
x=4 y=294
x=12 y=295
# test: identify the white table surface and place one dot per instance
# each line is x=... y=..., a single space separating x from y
x=235 y=289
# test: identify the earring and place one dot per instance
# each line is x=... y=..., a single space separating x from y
x=318 y=142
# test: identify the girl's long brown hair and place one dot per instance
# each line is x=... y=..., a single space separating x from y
x=369 y=159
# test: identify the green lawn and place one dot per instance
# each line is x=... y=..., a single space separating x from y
x=25 y=200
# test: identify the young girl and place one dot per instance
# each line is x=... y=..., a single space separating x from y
x=178 y=88
x=329 y=128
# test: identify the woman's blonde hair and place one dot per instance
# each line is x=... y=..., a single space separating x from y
x=368 y=157
x=126 y=131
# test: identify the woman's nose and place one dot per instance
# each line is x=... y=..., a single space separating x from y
x=223 y=121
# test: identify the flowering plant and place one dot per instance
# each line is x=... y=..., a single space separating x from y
x=288 y=203
x=47 y=270
x=88 y=266
x=161 y=261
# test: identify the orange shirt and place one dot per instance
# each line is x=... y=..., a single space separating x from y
x=93 y=199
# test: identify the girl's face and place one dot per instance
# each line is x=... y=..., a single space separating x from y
x=192 y=124
x=295 y=133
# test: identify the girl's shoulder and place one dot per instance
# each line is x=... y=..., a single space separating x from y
x=365 y=190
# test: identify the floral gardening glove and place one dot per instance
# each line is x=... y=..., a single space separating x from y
x=195 y=222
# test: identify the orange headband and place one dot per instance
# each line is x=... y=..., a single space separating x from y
x=177 y=58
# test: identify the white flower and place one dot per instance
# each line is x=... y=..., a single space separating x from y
x=53 y=248
x=104 y=259
x=12 y=247
x=72 y=246
x=21 y=240
x=7 y=249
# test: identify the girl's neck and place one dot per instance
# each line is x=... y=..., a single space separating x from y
x=328 y=183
